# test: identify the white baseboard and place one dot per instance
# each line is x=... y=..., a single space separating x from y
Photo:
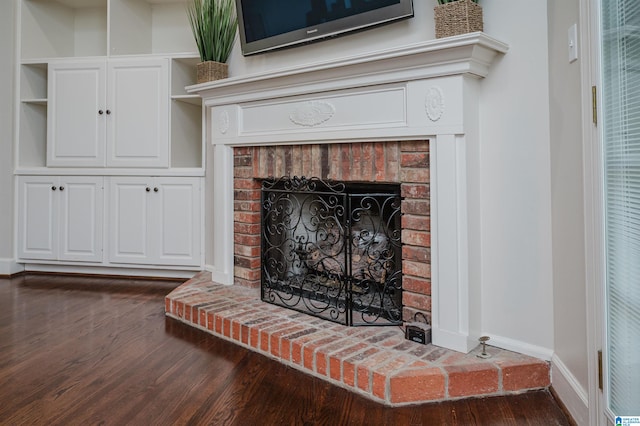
x=105 y=270
x=572 y=395
x=520 y=347
x=218 y=276
x=10 y=267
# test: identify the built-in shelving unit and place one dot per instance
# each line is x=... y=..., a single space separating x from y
x=129 y=56
x=70 y=30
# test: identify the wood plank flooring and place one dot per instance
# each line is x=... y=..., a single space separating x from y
x=82 y=351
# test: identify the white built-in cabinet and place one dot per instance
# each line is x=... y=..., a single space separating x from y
x=61 y=218
x=155 y=220
x=101 y=104
x=75 y=129
x=111 y=113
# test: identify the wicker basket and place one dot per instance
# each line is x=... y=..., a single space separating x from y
x=458 y=17
x=211 y=70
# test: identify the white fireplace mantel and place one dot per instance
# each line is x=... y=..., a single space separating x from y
x=429 y=91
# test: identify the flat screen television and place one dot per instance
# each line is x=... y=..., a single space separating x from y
x=273 y=24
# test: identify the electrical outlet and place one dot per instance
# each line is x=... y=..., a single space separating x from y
x=418 y=334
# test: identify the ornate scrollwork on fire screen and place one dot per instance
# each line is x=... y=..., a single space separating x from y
x=331 y=251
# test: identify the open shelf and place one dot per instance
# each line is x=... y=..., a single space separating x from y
x=149 y=27
x=78 y=28
x=186 y=134
x=186 y=115
x=32 y=151
x=35 y=101
x=33 y=82
x=190 y=99
x=63 y=28
x=183 y=73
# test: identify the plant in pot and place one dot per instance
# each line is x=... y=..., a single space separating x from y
x=455 y=17
x=214 y=24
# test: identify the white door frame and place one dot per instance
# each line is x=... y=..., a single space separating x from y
x=594 y=212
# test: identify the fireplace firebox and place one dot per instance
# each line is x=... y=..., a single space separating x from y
x=333 y=249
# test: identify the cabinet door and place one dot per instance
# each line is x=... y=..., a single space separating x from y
x=76 y=115
x=129 y=210
x=138 y=126
x=37 y=217
x=81 y=218
x=177 y=239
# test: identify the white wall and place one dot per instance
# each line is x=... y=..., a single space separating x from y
x=400 y=33
x=515 y=227
x=6 y=134
x=566 y=111
x=517 y=294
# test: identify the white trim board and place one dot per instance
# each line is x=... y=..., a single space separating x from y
x=572 y=395
x=519 y=347
x=10 y=267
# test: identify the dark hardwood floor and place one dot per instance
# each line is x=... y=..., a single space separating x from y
x=83 y=351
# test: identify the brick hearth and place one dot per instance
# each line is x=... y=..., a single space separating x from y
x=376 y=362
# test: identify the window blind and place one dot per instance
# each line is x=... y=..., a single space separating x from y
x=621 y=144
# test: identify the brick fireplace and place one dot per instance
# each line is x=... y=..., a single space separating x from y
x=405 y=162
x=410 y=116
x=360 y=106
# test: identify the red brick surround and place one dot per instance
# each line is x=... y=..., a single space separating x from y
x=406 y=163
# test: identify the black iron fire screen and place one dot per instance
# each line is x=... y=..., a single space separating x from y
x=333 y=250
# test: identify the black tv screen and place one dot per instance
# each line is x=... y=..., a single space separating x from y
x=273 y=24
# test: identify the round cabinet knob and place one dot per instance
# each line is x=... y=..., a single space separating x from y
x=53 y=188
x=100 y=112
x=155 y=189
x=62 y=188
x=147 y=189
x=108 y=112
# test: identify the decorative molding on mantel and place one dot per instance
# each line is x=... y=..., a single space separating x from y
x=400 y=94
x=467 y=54
x=429 y=90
